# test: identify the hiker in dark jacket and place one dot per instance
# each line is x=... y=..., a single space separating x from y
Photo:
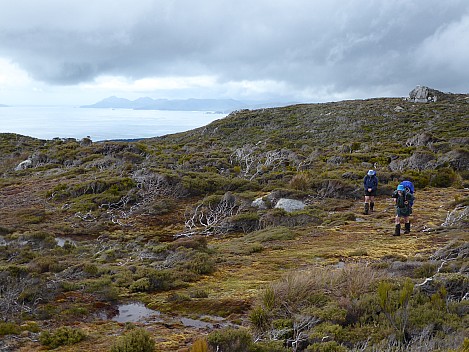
x=370 y=184
x=403 y=201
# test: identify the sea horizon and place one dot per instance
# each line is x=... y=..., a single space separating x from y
x=65 y=121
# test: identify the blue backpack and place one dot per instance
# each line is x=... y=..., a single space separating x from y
x=409 y=187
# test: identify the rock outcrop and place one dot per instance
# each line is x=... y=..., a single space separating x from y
x=259 y=203
x=290 y=205
x=420 y=160
x=422 y=94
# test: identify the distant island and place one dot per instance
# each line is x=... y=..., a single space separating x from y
x=146 y=103
x=3 y=106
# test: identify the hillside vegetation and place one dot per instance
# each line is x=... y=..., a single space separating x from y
x=190 y=225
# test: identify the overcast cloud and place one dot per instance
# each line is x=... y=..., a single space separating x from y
x=81 y=51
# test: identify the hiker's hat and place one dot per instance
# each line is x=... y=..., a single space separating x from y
x=400 y=188
x=371 y=172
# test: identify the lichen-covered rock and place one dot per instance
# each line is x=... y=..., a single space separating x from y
x=422 y=94
x=259 y=203
x=458 y=159
x=417 y=161
x=421 y=139
x=290 y=205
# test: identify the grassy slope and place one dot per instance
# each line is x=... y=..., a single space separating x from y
x=371 y=128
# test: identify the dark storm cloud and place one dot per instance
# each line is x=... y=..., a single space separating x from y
x=335 y=46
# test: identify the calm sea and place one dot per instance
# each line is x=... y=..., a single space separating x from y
x=99 y=124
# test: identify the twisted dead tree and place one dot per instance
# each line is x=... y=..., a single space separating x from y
x=458 y=217
x=208 y=218
x=253 y=162
x=12 y=303
x=150 y=186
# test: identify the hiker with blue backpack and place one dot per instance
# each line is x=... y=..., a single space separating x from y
x=404 y=198
x=370 y=184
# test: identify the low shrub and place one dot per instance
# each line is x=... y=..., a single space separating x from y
x=141 y=285
x=270 y=346
x=201 y=263
x=233 y=340
x=160 y=281
x=443 y=178
x=194 y=242
x=9 y=329
x=42 y=264
x=31 y=215
x=177 y=298
x=136 y=340
x=329 y=346
x=62 y=336
x=198 y=293
x=163 y=206
x=103 y=289
x=259 y=318
x=5 y=231
x=301 y=181
x=199 y=345
x=425 y=270
x=280 y=233
x=91 y=269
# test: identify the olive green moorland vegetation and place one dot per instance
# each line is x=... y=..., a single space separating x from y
x=189 y=225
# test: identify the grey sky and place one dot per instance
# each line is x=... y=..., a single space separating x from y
x=81 y=51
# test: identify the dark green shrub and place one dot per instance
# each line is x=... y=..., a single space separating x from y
x=194 y=242
x=70 y=286
x=259 y=318
x=301 y=181
x=31 y=215
x=42 y=264
x=141 y=285
x=177 y=298
x=201 y=263
x=443 y=178
x=61 y=337
x=160 y=281
x=395 y=305
x=244 y=222
x=136 y=340
x=5 y=231
x=91 y=269
x=270 y=346
x=198 y=293
x=9 y=329
x=280 y=233
x=163 y=206
x=329 y=346
x=425 y=270
x=326 y=329
x=104 y=289
x=233 y=340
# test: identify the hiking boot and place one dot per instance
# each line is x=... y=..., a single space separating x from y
x=397 y=232
x=372 y=205
x=367 y=207
x=407 y=227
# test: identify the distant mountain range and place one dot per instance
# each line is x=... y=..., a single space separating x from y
x=146 y=103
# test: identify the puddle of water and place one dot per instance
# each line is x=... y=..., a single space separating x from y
x=133 y=312
x=195 y=323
